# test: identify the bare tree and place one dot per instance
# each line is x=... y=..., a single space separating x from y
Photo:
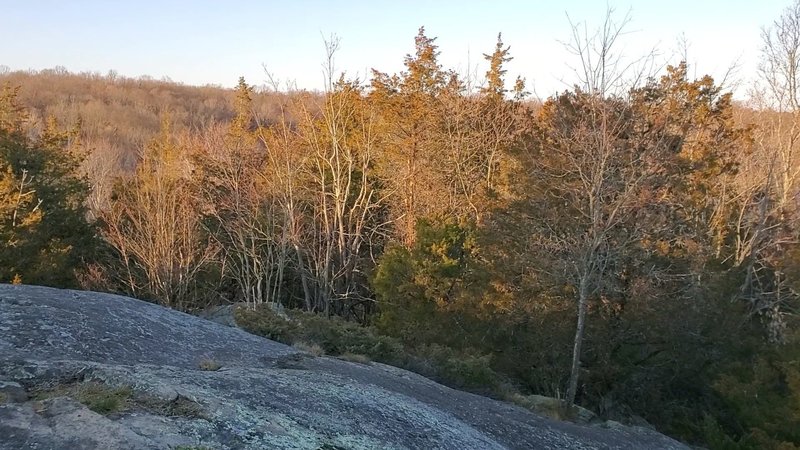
x=102 y=167
x=343 y=201
x=767 y=196
x=590 y=170
x=283 y=176
x=243 y=216
x=780 y=95
x=154 y=225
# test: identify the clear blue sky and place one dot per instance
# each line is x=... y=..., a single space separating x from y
x=204 y=41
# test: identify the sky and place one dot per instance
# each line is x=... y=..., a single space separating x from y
x=215 y=42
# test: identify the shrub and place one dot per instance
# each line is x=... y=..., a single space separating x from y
x=264 y=322
x=463 y=369
x=335 y=336
x=416 y=287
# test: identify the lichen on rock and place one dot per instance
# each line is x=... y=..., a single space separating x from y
x=262 y=394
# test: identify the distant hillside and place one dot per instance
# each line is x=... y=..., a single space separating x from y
x=118 y=115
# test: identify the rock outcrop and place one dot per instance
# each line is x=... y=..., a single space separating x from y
x=84 y=370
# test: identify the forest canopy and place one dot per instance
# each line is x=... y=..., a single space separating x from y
x=628 y=245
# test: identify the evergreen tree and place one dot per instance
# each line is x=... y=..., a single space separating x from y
x=495 y=83
x=46 y=236
x=243 y=108
x=414 y=159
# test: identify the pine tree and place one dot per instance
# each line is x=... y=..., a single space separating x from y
x=495 y=83
x=409 y=104
x=46 y=237
x=243 y=108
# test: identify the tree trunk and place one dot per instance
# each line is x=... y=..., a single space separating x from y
x=583 y=294
x=301 y=268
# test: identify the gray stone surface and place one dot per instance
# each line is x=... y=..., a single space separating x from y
x=265 y=395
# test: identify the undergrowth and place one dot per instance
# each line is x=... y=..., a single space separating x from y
x=317 y=334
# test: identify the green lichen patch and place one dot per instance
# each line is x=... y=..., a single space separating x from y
x=108 y=400
x=98 y=397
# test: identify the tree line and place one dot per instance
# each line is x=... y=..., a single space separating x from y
x=628 y=244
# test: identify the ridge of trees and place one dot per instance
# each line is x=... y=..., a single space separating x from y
x=629 y=245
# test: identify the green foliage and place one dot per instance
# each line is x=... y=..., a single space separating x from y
x=715 y=437
x=103 y=399
x=463 y=369
x=106 y=399
x=475 y=209
x=762 y=398
x=46 y=236
x=425 y=75
x=415 y=286
x=99 y=397
x=239 y=134
x=495 y=83
x=335 y=336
